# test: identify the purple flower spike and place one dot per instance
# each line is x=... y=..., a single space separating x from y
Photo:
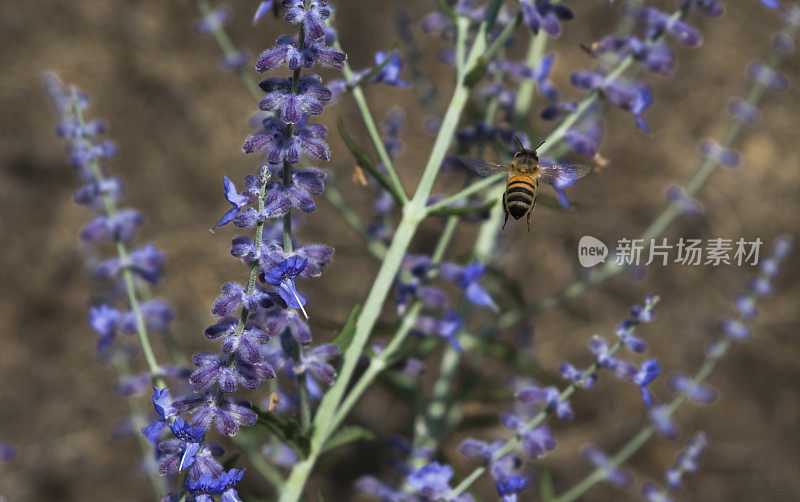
x=599 y=347
x=735 y=329
x=694 y=391
x=432 y=481
x=744 y=111
x=612 y=474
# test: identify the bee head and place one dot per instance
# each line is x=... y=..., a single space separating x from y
x=527 y=156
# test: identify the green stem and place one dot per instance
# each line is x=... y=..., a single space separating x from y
x=372 y=129
x=229 y=49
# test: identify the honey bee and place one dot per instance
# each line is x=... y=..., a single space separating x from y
x=524 y=173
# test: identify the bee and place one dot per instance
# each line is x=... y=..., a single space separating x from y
x=524 y=173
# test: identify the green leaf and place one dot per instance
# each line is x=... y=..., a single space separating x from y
x=447 y=10
x=546 y=491
x=491 y=16
x=476 y=73
x=365 y=162
x=345 y=336
x=288 y=430
x=374 y=71
x=348 y=434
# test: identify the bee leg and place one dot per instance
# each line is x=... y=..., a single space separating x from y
x=505 y=211
x=530 y=213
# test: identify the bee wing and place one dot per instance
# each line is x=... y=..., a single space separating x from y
x=482 y=167
x=561 y=175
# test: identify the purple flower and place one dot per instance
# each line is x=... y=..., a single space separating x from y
x=724 y=156
x=229 y=414
x=744 y=111
x=234 y=294
x=446 y=328
x=308 y=100
x=432 y=481
x=245 y=345
x=213 y=21
x=279 y=320
x=687 y=460
x=283 y=276
x=122 y=226
x=146 y=261
x=212 y=368
x=646 y=374
x=224 y=484
x=735 y=329
x=545 y=14
x=273 y=139
x=262 y=9
x=651 y=493
x=312 y=18
x=692 y=390
x=612 y=474
x=660 y=21
x=576 y=376
x=660 y=416
x=285 y=49
x=316 y=362
x=548 y=395
x=536 y=442
x=599 y=347
x=162 y=404
x=389 y=74
x=467 y=278
x=237 y=200
x=685 y=202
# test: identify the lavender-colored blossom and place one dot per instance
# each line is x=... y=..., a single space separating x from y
x=279 y=320
x=235 y=295
x=576 y=376
x=550 y=396
x=536 y=442
x=224 y=485
x=312 y=16
x=146 y=261
x=651 y=493
x=237 y=200
x=772 y=79
x=246 y=345
x=446 y=327
x=685 y=202
x=694 y=391
x=611 y=473
x=660 y=416
x=389 y=74
x=646 y=374
x=432 y=481
x=744 y=111
x=316 y=363
x=544 y=14
x=121 y=227
x=285 y=49
x=309 y=99
x=600 y=348
x=213 y=21
x=735 y=329
x=724 y=156
x=372 y=486
x=687 y=460
x=283 y=276
x=468 y=277
x=272 y=139
x=213 y=369
x=228 y=414
x=680 y=30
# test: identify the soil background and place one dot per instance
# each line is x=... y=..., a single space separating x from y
x=180 y=121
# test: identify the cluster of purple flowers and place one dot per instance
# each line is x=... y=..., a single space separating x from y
x=687 y=461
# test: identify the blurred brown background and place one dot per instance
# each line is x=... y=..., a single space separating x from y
x=180 y=122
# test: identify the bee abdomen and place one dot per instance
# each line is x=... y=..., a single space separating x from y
x=519 y=196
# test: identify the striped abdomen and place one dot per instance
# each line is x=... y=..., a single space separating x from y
x=519 y=196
